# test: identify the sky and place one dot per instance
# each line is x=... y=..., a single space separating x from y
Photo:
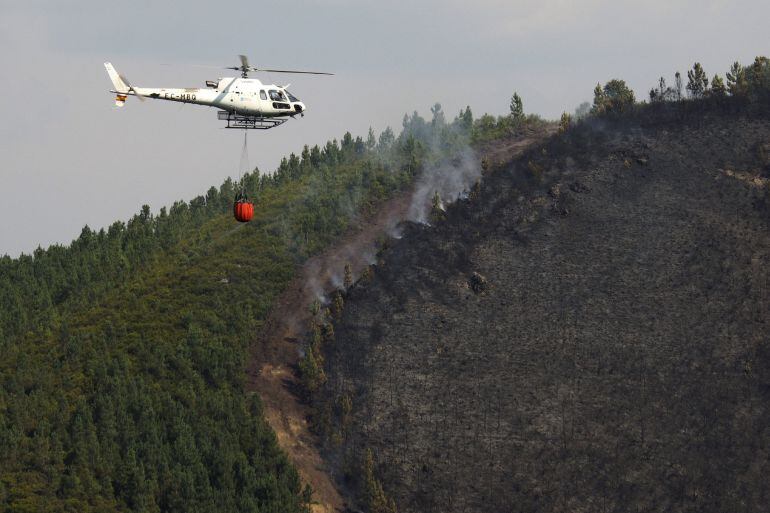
x=69 y=158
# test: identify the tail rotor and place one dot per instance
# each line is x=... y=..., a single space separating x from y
x=122 y=86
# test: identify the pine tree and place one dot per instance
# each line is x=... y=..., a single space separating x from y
x=697 y=81
x=348 y=280
x=338 y=304
x=466 y=118
x=437 y=209
x=374 y=496
x=736 y=79
x=599 y=99
x=615 y=97
x=517 y=107
x=386 y=138
x=718 y=88
x=311 y=371
x=371 y=142
x=758 y=74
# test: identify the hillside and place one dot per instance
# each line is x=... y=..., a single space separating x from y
x=487 y=314
x=589 y=332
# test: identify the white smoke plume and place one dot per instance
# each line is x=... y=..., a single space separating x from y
x=451 y=180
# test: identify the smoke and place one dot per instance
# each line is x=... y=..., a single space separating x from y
x=451 y=180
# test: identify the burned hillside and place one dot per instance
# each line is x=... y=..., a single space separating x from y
x=588 y=331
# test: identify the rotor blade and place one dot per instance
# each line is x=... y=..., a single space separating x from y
x=244 y=61
x=194 y=65
x=294 y=71
x=210 y=66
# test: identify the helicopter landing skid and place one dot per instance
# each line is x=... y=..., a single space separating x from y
x=249 y=122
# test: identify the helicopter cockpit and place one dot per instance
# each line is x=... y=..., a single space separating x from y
x=277 y=96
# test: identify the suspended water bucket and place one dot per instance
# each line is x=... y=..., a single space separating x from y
x=243 y=210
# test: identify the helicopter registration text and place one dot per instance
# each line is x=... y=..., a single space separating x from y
x=182 y=96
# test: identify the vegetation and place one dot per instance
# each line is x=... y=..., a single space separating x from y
x=614 y=98
x=697 y=81
x=437 y=209
x=744 y=87
x=517 y=107
x=374 y=497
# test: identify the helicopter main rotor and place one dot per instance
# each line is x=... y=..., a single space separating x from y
x=245 y=68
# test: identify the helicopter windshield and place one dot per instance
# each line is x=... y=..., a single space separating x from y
x=277 y=96
x=292 y=98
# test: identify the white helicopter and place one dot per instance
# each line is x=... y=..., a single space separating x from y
x=244 y=102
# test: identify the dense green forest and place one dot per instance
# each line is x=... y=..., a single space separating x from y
x=123 y=354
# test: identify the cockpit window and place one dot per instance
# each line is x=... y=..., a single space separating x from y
x=292 y=98
x=263 y=94
x=277 y=96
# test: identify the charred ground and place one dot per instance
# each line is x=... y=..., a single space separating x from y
x=614 y=357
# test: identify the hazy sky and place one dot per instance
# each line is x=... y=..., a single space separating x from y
x=69 y=158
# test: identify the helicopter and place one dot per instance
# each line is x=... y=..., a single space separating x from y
x=244 y=102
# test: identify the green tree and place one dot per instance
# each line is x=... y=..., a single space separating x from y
x=697 y=81
x=466 y=119
x=614 y=97
x=374 y=497
x=517 y=107
x=312 y=375
x=599 y=99
x=437 y=213
x=338 y=305
x=718 y=88
x=736 y=80
x=758 y=74
x=386 y=139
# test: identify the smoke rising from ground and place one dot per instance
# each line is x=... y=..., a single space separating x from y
x=451 y=180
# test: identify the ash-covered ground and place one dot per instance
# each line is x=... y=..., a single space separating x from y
x=611 y=353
